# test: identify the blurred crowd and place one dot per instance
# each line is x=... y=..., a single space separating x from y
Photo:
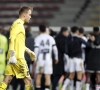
x=60 y=72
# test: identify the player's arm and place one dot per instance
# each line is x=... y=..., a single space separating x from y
x=97 y=41
x=14 y=31
x=86 y=43
x=36 y=51
x=55 y=50
x=30 y=53
x=36 y=48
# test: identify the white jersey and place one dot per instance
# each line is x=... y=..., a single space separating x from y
x=44 y=44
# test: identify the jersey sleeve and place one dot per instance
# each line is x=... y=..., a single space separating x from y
x=36 y=42
x=53 y=42
x=55 y=50
x=36 y=47
x=85 y=43
x=14 y=31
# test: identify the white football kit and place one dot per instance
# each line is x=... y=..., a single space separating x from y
x=76 y=65
x=44 y=44
x=73 y=64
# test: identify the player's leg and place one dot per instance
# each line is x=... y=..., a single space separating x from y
x=79 y=79
x=27 y=79
x=47 y=81
x=83 y=77
x=24 y=73
x=48 y=70
x=79 y=72
x=68 y=81
x=71 y=75
x=60 y=82
x=28 y=83
x=88 y=79
x=72 y=85
x=83 y=80
x=39 y=72
x=7 y=79
x=66 y=68
x=98 y=81
x=38 y=81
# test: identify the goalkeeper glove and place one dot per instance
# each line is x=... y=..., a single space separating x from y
x=12 y=58
x=31 y=54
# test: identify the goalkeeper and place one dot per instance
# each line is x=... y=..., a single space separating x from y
x=16 y=65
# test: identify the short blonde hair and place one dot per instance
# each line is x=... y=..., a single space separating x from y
x=24 y=9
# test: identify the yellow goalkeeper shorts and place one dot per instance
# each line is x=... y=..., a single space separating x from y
x=20 y=69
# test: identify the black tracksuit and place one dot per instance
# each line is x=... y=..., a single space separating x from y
x=58 y=69
x=93 y=56
x=74 y=46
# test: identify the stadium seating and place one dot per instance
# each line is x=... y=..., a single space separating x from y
x=41 y=11
x=54 y=12
x=34 y=23
x=40 y=15
x=32 y=1
x=45 y=7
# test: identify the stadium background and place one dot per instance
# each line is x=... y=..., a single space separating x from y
x=54 y=13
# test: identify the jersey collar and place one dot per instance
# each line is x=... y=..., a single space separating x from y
x=21 y=21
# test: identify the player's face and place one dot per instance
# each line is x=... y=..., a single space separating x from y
x=28 y=16
x=66 y=33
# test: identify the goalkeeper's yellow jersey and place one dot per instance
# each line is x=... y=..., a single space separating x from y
x=17 y=39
